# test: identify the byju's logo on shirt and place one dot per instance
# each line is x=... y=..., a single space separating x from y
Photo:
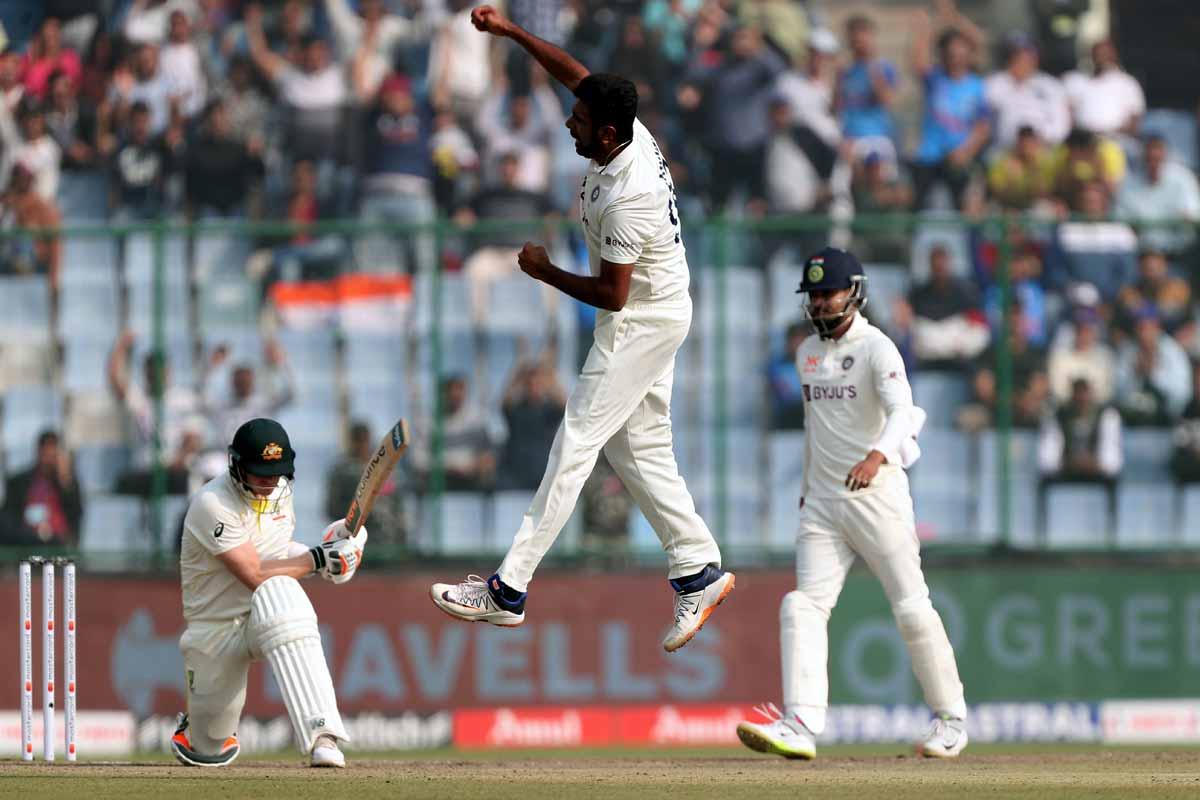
x=812 y=393
x=611 y=242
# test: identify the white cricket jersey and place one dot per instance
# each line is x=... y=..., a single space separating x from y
x=219 y=518
x=851 y=385
x=629 y=216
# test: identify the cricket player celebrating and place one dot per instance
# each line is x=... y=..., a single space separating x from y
x=621 y=403
x=861 y=434
x=242 y=601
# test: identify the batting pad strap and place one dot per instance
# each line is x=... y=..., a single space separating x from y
x=283 y=628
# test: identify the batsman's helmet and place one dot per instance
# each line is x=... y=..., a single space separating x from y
x=261 y=447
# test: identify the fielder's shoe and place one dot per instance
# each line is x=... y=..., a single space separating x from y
x=326 y=753
x=477 y=600
x=695 y=601
x=946 y=738
x=184 y=754
x=781 y=735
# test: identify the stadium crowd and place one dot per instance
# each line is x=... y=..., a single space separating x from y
x=398 y=111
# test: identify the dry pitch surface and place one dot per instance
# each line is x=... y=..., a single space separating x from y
x=1060 y=773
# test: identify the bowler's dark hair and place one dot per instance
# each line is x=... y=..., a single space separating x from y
x=612 y=100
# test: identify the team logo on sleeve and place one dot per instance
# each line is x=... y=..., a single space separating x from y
x=272 y=452
x=847 y=362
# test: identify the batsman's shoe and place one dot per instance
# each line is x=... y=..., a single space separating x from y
x=695 y=602
x=477 y=600
x=184 y=754
x=326 y=753
x=946 y=738
x=779 y=735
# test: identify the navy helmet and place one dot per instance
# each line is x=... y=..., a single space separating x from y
x=831 y=269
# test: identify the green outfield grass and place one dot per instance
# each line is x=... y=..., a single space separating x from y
x=1060 y=772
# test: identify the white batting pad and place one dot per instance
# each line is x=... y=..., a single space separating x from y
x=283 y=628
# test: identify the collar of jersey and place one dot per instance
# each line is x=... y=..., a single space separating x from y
x=623 y=159
x=858 y=326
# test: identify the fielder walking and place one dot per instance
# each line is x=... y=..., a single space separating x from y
x=861 y=428
x=242 y=601
x=621 y=403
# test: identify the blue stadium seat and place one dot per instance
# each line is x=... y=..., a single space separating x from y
x=783 y=281
x=139 y=266
x=950 y=235
x=1145 y=514
x=314 y=459
x=515 y=306
x=463 y=526
x=1178 y=128
x=97 y=466
x=28 y=410
x=24 y=308
x=1147 y=451
x=885 y=283
x=786 y=454
x=221 y=256
x=1023 y=477
x=1076 y=516
x=508 y=510
x=112 y=524
x=85 y=363
x=311 y=427
x=88 y=260
x=83 y=196
x=941 y=394
x=943 y=497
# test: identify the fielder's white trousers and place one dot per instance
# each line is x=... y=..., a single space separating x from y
x=877 y=525
x=622 y=403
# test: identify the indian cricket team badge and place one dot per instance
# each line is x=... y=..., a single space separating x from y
x=815 y=271
x=847 y=362
x=595 y=193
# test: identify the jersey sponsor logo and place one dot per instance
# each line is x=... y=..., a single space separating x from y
x=278 y=517
x=812 y=392
x=811 y=363
x=217 y=531
x=611 y=242
x=847 y=362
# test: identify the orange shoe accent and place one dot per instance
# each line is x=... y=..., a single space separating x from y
x=181 y=739
x=230 y=742
x=709 y=611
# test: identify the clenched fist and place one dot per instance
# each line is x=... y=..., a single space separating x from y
x=489 y=20
x=534 y=261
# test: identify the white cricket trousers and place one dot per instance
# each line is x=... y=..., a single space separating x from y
x=622 y=402
x=216 y=658
x=877 y=525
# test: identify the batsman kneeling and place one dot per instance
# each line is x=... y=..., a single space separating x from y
x=242 y=601
x=861 y=428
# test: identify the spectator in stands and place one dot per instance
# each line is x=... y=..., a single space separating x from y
x=783 y=375
x=468 y=444
x=1168 y=295
x=22 y=207
x=45 y=56
x=948 y=326
x=808 y=93
x=306 y=254
x=1080 y=443
x=221 y=173
x=183 y=432
x=495 y=250
x=878 y=187
x=387 y=33
x=98 y=64
x=455 y=162
x=1025 y=287
x=637 y=58
x=247 y=107
x=865 y=94
x=182 y=66
x=460 y=64
x=532 y=407
x=1020 y=95
x=735 y=94
x=71 y=124
x=528 y=129
x=606 y=507
x=144 y=83
x=1185 y=452
x=1164 y=192
x=11 y=89
x=1108 y=100
x=1030 y=387
x=1022 y=178
x=1093 y=250
x=147 y=21
x=248 y=397
x=398 y=179
x=389 y=525
x=1154 y=376
x=29 y=142
x=782 y=22
x=668 y=22
x=43 y=504
x=1085 y=158
x=1082 y=355
x=955 y=126
x=797 y=166
x=313 y=95
x=140 y=167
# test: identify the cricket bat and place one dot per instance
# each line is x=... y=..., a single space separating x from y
x=387 y=454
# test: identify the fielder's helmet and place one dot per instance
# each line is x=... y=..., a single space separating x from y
x=831 y=269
